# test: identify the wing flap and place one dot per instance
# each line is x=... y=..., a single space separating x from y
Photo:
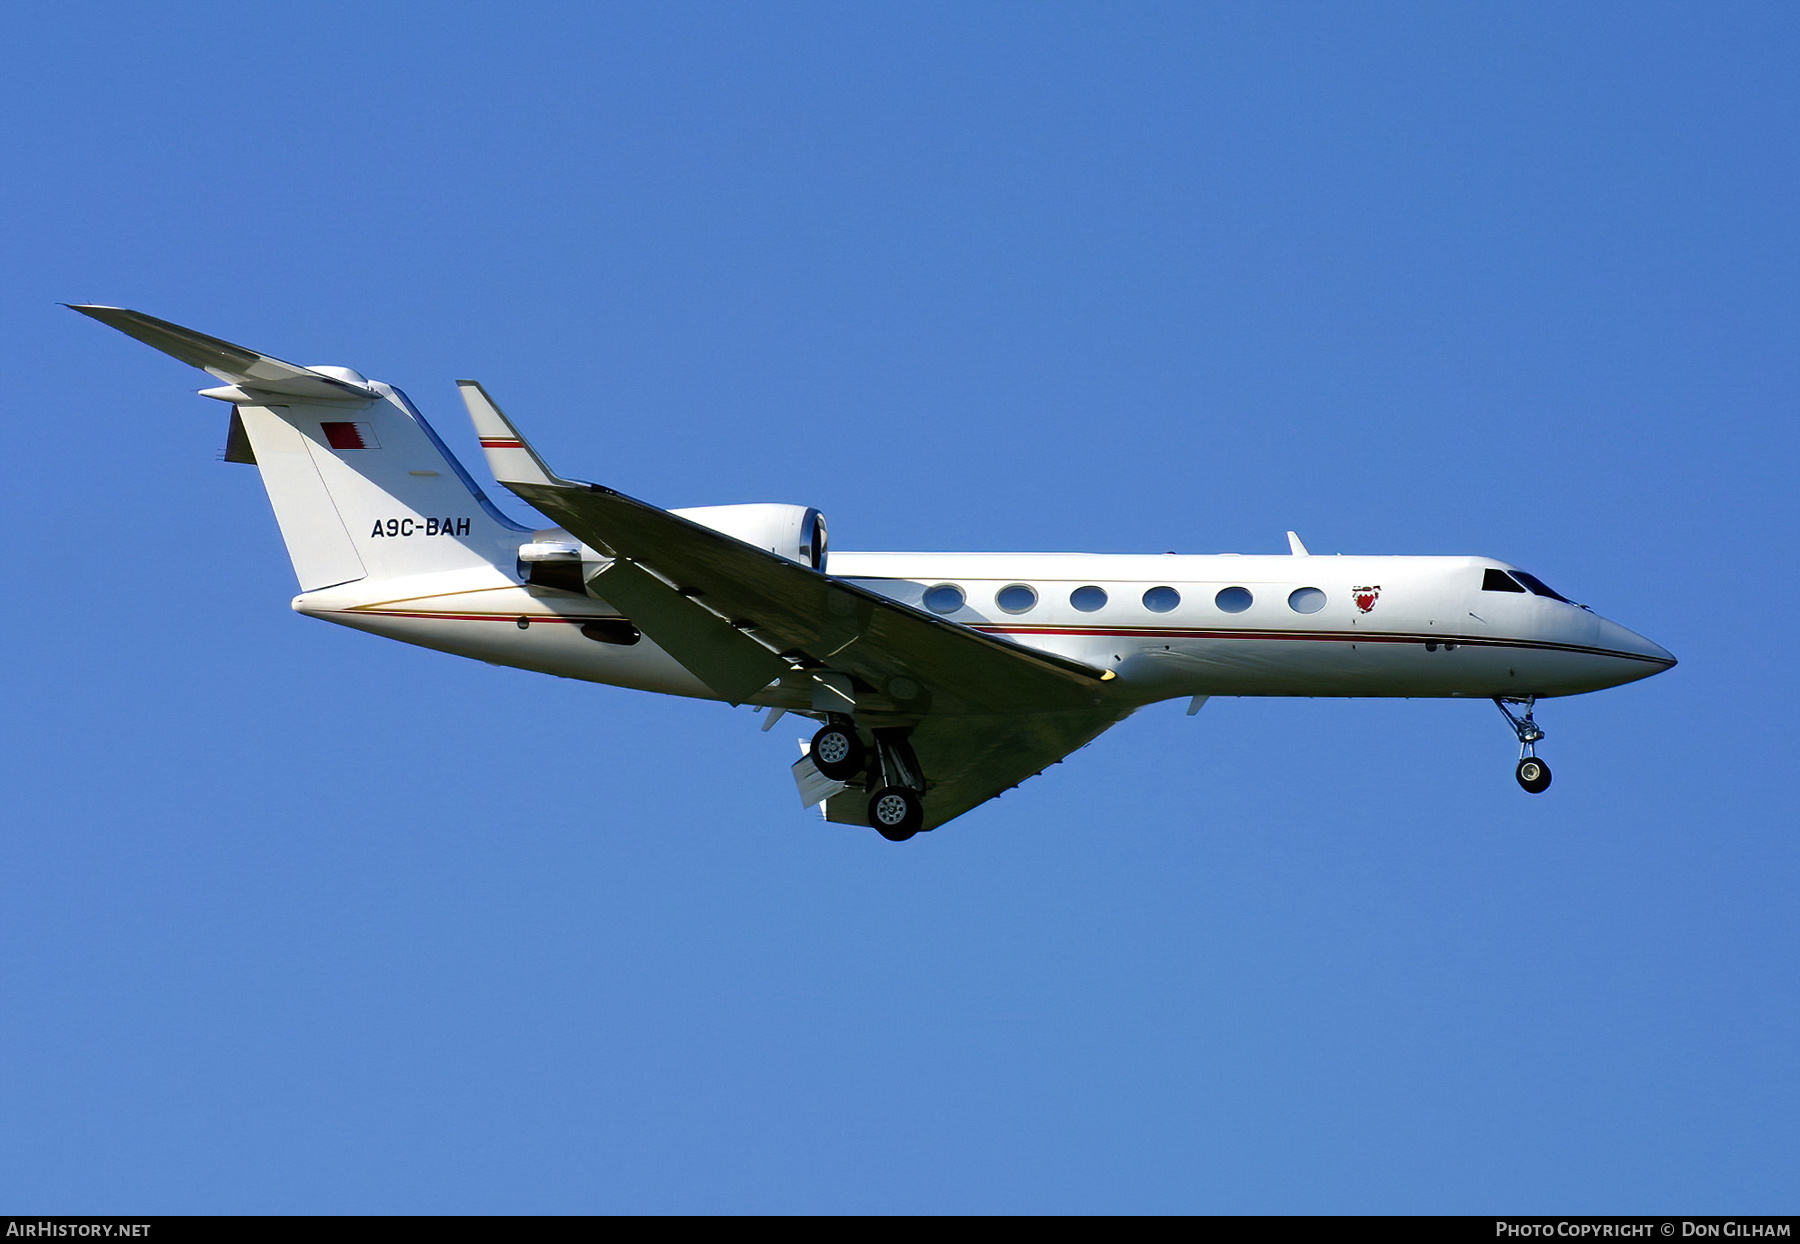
x=714 y=651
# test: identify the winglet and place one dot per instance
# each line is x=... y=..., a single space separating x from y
x=510 y=456
x=1295 y=547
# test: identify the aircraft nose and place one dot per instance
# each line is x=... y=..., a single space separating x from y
x=1623 y=640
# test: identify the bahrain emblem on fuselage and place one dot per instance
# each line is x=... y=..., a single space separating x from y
x=1365 y=597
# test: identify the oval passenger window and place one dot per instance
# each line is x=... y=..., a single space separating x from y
x=1016 y=599
x=944 y=598
x=1089 y=599
x=1161 y=599
x=1234 y=599
x=1306 y=600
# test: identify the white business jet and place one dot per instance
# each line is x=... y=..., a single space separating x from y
x=939 y=680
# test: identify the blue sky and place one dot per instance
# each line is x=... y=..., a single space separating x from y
x=300 y=920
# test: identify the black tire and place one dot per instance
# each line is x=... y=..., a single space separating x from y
x=896 y=812
x=1533 y=775
x=837 y=752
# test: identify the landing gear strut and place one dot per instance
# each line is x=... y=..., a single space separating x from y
x=897 y=808
x=1533 y=774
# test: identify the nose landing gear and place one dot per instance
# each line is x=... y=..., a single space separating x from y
x=1533 y=774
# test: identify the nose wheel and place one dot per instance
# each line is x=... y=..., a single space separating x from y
x=1533 y=774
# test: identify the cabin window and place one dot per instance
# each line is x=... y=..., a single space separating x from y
x=1089 y=599
x=1234 y=599
x=1499 y=581
x=944 y=598
x=1016 y=598
x=1306 y=600
x=1161 y=599
x=1539 y=587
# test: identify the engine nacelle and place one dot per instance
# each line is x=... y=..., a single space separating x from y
x=796 y=532
x=554 y=558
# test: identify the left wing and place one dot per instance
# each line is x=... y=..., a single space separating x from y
x=986 y=713
x=669 y=568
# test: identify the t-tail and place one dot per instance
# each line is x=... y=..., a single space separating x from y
x=361 y=485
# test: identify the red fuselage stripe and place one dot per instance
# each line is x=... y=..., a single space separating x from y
x=1337 y=637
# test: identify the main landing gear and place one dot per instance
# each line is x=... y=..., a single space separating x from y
x=896 y=812
x=897 y=808
x=897 y=804
x=1533 y=774
x=837 y=750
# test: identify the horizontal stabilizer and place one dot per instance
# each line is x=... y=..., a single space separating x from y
x=230 y=363
x=360 y=484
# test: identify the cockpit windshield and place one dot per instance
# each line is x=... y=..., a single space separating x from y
x=1494 y=579
x=1539 y=587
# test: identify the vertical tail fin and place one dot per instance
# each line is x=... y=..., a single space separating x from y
x=361 y=485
